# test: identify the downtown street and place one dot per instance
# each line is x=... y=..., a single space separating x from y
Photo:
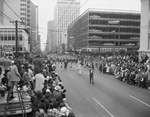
x=108 y=97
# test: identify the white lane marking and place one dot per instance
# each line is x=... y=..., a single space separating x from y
x=71 y=76
x=103 y=107
x=139 y=100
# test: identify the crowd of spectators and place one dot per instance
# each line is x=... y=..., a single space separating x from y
x=127 y=69
x=40 y=83
x=51 y=101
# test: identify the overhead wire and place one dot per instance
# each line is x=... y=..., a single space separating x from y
x=6 y=16
x=12 y=10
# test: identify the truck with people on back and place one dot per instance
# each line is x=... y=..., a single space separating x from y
x=14 y=105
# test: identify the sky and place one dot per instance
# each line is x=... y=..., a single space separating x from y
x=46 y=10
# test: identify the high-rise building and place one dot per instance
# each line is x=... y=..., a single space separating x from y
x=65 y=12
x=21 y=10
x=103 y=31
x=50 y=43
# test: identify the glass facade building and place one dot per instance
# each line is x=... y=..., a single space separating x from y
x=105 y=30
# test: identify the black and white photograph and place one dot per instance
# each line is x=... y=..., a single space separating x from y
x=74 y=58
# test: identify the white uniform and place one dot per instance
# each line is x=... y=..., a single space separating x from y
x=79 y=67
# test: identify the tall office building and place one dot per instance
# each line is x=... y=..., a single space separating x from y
x=50 y=42
x=29 y=15
x=105 y=31
x=21 y=10
x=65 y=12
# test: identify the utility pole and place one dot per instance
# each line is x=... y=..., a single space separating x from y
x=16 y=40
x=16 y=25
x=1 y=50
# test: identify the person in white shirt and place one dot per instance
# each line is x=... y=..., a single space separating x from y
x=39 y=80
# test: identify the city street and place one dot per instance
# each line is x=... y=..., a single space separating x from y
x=108 y=97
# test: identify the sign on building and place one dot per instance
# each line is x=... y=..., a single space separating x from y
x=7 y=48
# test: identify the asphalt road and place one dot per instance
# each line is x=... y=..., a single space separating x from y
x=108 y=97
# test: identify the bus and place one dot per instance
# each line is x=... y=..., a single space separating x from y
x=14 y=106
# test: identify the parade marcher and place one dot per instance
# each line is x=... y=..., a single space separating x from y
x=91 y=73
x=79 y=68
x=65 y=64
x=71 y=64
x=61 y=65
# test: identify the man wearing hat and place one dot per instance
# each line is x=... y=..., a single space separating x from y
x=56 y=93
x=64 y=112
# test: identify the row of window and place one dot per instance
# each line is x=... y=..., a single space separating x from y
x=23 y=9
x=23 y=13
x=5 y=32
x=114 y=36
x=10 y=38
x=113 y=15
x=121 y=23
x=23 y=4
x=113 y=30
x=96 y=43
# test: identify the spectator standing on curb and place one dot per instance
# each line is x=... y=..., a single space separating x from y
x=39 y=80
x=38 y=64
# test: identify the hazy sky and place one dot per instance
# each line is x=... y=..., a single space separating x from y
x=46 y=10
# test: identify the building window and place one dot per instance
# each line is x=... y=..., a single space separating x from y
x=5 y=38
x=13 y=38
x=9 y=38
x=28 y=11
x=23 y=9
x=22 y=4
x=20 y=48
x=23 y=13
x=13 y=48
x=20 y=38
x=2 y=38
